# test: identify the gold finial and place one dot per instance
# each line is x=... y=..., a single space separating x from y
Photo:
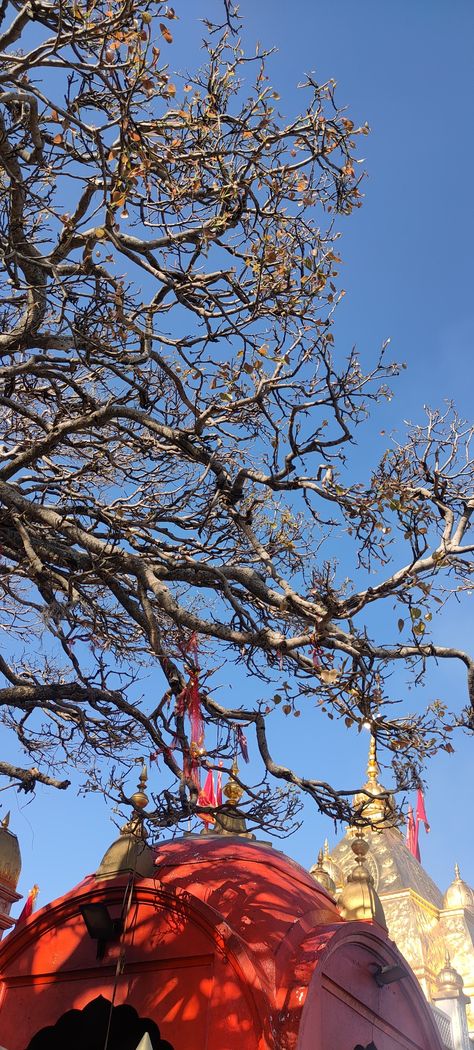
x=457 y=871
x=372 y=802
x=359 y=899
x=140 y=799
x=326 y=847
x=228 y=823
x=6 y=821
x=372 y=764
x=232 y=789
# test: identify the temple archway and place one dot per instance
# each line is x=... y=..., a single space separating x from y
x=77 y=1029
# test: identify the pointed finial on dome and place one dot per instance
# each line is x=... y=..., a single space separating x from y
x=6 y=821
x=374 y=803
x=321 y=874
x=131 y=851
x=459 y=894
x=232 y=823
x=372 y=764
x=139 y=798
x=232 y=790
x=326 y=847
x=359 y=899
x=449 y=981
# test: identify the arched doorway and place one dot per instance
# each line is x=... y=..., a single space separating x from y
x=78 y=1029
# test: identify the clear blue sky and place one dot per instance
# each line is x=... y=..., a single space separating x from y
x=407 y=69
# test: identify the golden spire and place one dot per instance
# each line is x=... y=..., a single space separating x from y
x=232 y=789
x=6 y=821
x=139 y=798
x=372 y=764
x=232 y=823
x=359 y=899
x=378 y=811
x=139 y=801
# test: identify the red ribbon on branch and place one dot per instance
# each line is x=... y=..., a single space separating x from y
x=242 y=742
x=189 y=702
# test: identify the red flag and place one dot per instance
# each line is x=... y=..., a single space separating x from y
x=207 y=797
x=420 y=811
x=412 y=835
x=28 y=906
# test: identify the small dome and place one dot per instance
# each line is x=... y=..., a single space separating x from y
x=459 y=894
x=333 y=870
x=449 y=980
x=321 y=875
x=129 y=853
x=10 y=856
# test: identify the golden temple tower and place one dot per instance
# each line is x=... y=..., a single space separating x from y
x=426 y=925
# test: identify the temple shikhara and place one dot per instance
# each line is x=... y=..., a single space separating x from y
x=222 y=942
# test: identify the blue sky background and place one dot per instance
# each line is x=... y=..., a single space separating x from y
x=407 y=69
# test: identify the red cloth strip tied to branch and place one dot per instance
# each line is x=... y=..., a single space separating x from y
x=189 y=702
x=193 y=705
x=242 y=742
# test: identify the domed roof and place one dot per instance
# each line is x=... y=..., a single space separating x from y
x=10 y=856
x=321 y=875
x=128 y=853
x=459 y=894
x=449 y=980
x=258 y=890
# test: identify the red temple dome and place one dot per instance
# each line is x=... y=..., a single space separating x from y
x=229 y=945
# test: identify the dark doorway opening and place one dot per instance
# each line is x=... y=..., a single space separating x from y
x=87 y=1028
